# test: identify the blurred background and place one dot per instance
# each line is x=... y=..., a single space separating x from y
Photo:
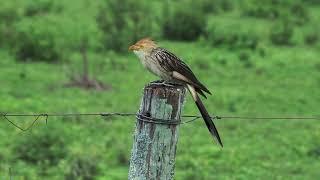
x=259 y=57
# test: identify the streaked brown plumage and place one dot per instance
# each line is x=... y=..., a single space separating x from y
x=170 y=68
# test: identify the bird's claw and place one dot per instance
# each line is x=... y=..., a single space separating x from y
x=163 y=82
x=160 y=81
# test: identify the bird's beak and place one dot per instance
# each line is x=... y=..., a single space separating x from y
x=133 y=47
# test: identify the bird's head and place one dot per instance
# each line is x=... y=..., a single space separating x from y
x=144 y=45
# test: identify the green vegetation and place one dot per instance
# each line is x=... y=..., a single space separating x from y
x=126 y=23
x=256 y=65
x=82 y=167
x=234 y=35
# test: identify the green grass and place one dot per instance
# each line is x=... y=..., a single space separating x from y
x=270 y=81
x=285 y=82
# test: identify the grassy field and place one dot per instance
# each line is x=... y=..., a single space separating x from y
x=270 y=81
x=285 y=83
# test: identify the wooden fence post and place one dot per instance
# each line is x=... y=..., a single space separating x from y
x=156 y=134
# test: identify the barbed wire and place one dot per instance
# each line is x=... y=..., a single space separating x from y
x=110 y=114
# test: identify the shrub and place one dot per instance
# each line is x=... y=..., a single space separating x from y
x=312 y=2
x=311 y=34
x=51 y=37
x=314 y=152
x=186 y=19
x=184 y=24
x=38 y=39
x=276 y=9
x=282 y=33
x=81 y=32
x=261 y=9
x=298 y=13
x=10 y=12
x=41 y=7
x=13 y=11
x=214 y=6
x=122 y=25
x=233 y=35
x=311 y=38
x=41 y=148
x=82 y=168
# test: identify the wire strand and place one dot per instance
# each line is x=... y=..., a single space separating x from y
x=134 y=114
x=280 y=118
x=108 y=114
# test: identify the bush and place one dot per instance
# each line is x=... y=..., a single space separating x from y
x=81 y=32
x=276 y=9
x=298 y=13
x=311 y=38
x=41 y=148
x=38 y=39
x=282 y=33
x=312 y=2
x=184 y=24
x=123 y=25
x=13 y=11
x=40 y=31
x=311 y=34
x=10 y=12
x=186 y=20
x=233 y=35
x=261 y=9
x=51 y=37
x=41 y=7
x=214 y=6
x=82 y=168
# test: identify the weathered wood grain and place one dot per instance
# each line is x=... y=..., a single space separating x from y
x=155 y=145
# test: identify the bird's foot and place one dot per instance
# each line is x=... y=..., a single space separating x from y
x=164 y=83
x=158 y=81
x=167 y=83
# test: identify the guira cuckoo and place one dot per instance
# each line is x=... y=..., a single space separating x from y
x=170 y=68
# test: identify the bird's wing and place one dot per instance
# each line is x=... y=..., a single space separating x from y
x=179 y=76
x=180 y=70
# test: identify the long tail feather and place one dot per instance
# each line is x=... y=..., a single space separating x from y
x=200 y=92
x=205 y=115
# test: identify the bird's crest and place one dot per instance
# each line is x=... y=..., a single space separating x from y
x=146 y=41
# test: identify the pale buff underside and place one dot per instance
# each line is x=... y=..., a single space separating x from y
x=154 y=67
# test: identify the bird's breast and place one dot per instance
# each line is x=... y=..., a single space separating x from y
x=154 y=67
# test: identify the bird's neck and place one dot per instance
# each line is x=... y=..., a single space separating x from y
x=141 y=55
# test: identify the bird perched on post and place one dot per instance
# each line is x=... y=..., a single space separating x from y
x=170 y=68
